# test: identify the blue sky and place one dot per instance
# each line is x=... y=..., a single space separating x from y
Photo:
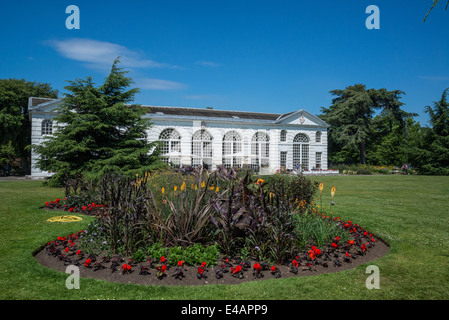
x=266 y=56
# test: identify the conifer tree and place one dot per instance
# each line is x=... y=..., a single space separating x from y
x=98 y=130
x=432 y=156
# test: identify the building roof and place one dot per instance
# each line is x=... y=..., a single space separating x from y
x=40 y=104
x=34 y=101
x=196 y=112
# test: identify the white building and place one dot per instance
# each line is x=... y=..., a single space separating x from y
x=266 y=142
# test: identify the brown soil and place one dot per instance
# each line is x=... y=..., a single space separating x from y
x=378 y=250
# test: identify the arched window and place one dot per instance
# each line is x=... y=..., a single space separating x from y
x=171 y=146
x=47 y=127
x=202 y=149
x=260 y=150
x=283 y=136
x=318 y=136
x=232 y=150
x=301 y=151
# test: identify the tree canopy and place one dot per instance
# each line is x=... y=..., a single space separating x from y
x=99 y=131
x=355 y=124
x=432 y=153
x=15 y=127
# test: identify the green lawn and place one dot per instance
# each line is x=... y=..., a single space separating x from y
x=409 y=212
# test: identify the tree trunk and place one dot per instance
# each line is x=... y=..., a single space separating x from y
x=363 y=152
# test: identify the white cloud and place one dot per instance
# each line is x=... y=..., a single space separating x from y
x=208 y=64
x=100 y=54
x=158 y=84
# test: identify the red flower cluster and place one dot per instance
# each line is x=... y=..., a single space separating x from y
x=314 y=252
x=237 y=269
x=126 y=267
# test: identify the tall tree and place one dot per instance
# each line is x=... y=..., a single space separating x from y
x=98 y=131
x=432 y=155
x=351 y=118
x=15 y=127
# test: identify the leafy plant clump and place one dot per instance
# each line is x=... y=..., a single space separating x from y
x=198 y=217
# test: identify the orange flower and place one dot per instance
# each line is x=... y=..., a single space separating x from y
x=333 y=191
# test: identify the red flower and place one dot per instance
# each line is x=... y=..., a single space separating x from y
x=200 y=270
x=334 y=245
x=203 y=265
x=78 y=252
x=257 y=267
x=273 y=268
x=351 y=242
x=66 y=249
x=180 y=263
x=337 y=238
x=347 y=254
x=312 y=255
x=317 y=251
x=87 y=263
x=163 y=268
x=126 y=267
x=236 y=270
x=295 y=263
x=163 y=259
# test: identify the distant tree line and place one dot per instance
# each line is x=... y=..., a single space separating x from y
x=103 y=132
x=368 y=126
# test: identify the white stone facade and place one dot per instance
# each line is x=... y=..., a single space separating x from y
x=264 y=142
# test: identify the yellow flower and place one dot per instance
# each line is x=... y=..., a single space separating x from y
x=203 y=184
x=333 y=191
x=163 y=190
x=183 y=187
x=321 y=186
x=175 y=188
x=217 y=189
x=259 y=181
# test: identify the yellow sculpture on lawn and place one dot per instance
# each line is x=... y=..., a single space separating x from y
x=65 y=219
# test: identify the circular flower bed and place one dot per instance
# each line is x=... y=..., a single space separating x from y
x=336 y=256
x=217 y=228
